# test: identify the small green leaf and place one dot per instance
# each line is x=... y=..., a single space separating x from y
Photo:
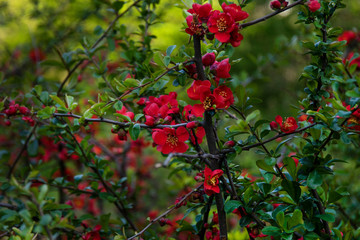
x=261 y=164
x=327 y=217
x=292 y=188
x=170 y=49
x=231 y=205
x=280 y=218
x=58 y=101
x=134 y=131
x=296 y=219
x=314 y=179
x=271 y=231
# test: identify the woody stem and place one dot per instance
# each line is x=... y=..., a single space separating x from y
x=211 y=140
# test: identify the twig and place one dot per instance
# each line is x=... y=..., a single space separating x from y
x=206 y=217
x=121 y=124
x=9 y=206
x=165 y=213
x=12 y=167
x=95 y=45
x=119 y=205
x=270 y=15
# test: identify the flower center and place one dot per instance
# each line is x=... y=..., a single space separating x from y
x=221 y=24
x=223 y=94
x=172 y=140
x=212 y=181
x=207 y=103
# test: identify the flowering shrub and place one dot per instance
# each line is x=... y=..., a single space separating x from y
x=94 y=169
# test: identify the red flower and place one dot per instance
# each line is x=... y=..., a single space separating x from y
x=202 y=11
x=197 y=87
x=235 y=11
x=199 y=133
x=287 y=126
x=313 y=5
x=207 y=101
x=171 y=140
x=208 y=59
x=221 y=24
x=222 y=68
x=36 y=55
x=347 y=36
x=125 y=112
x=194 y=26
x=355 y=61
x=223 y=96
x=93 y=235
x=211 y=181
x=236 y=37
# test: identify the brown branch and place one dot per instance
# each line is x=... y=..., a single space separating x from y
x=12 y=167
x=206 y=217
x=165 y=213
x=270 y=15
x=9 y=206
x=119 y=204
x=95 y=45
x=121 y=124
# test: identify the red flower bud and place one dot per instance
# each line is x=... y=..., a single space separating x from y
x=313 y=5
x=208 y=59
x=79 y=78
x=7 y=122
x=24 y=110
x=192 y=124
x=273 y=125
x=275 y=5
x=165 y=221
x=149 y=120
x=229 y=144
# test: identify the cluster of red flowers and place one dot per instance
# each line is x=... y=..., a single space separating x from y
x=223 y=25
x=289 y=125
x=220 y=97
x=15 y=109
x=352 y=41
x=160 y=110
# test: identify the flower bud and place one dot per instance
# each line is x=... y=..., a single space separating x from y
x=24 y=110
x=229 y=144
x=149 y=120
x=7 y=122
x=275 y=5
x=192 y=124
x=274 y=125
x=208 y=59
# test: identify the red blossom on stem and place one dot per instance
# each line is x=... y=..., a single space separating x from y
x=221 y=24
x=222 y=68
x=201 y=11
x=211 y=182
x=313 y=5
x=348 y=36
x=170 y=140
x=235 y=11
x=287 y=126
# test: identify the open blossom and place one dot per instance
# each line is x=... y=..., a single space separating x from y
x=201 y=11
x=313 y=5
x=170 y=140
x=235 y=37
x=199 y=133
x=211 y=182
x=197 y=87
x=235 y=11
x=221 y=24
x=194 y=26
x=223 y=96
x=287 y=126
x=207 y=102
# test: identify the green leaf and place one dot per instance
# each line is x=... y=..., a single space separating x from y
x=45 y=220
x=170 y=49
x=46 y=112
x=134 y=131
x=290 y=166
x=334 y=196
x=292 y=188
x=231 y=205
x=167 y=60
x=262 y=164
x=296 y=219
x=58 y=101
x=264 y=187
x=253 y=115
x=123 y=117
x=131 y=82
x=138 y=116
x=326 y=217
x=118 y=105
x=32 y=148
x=314 y=179
x=280 y=218
x=271 y=231
x=117 y=5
